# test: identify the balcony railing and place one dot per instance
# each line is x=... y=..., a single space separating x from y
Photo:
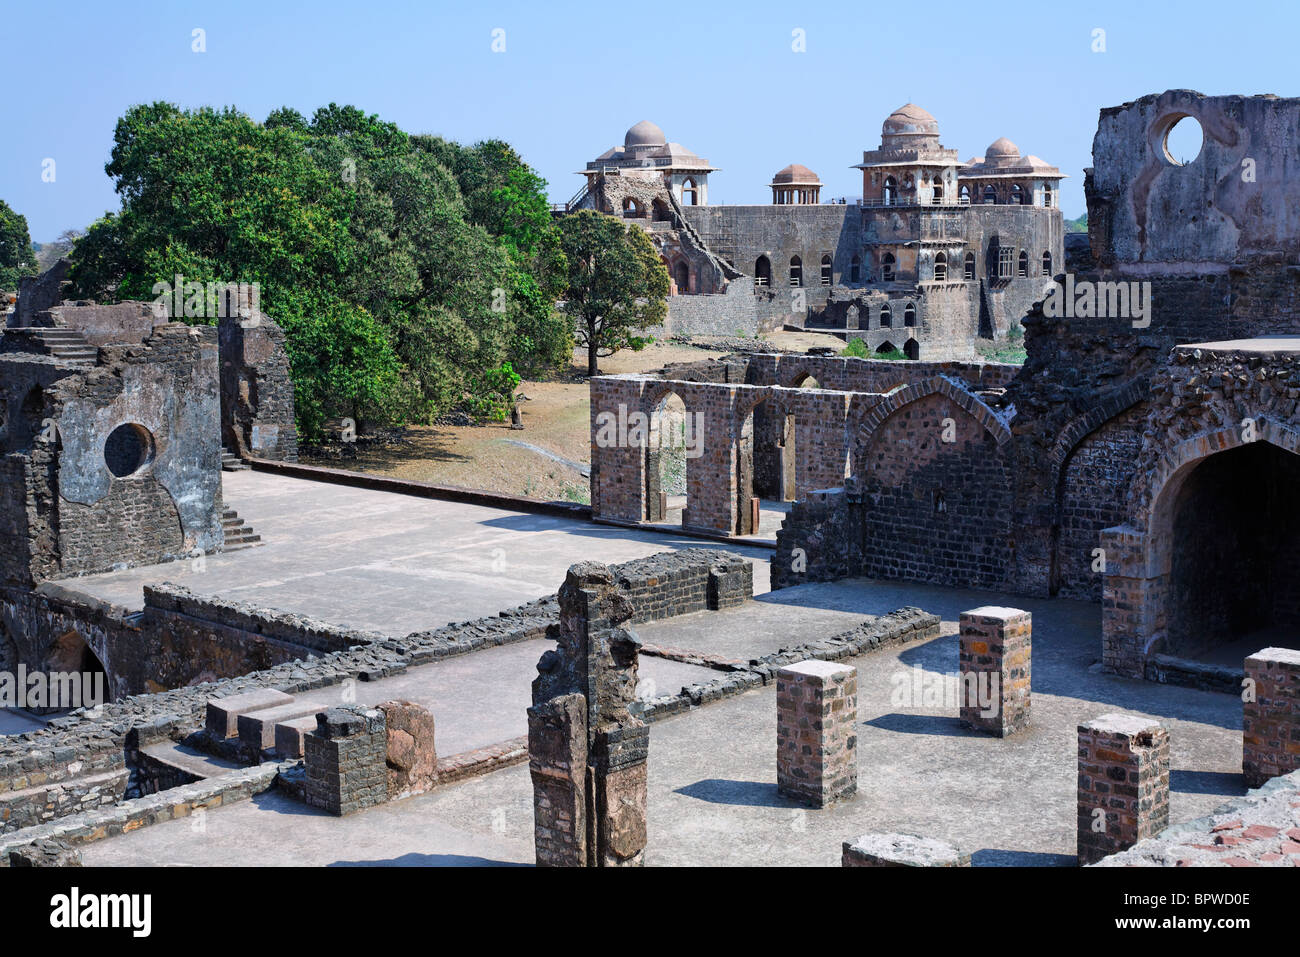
x=875 y=203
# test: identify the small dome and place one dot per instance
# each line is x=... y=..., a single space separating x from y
x=796 y=175
x=1002 y=148
x=645 y=133
x=910 y=118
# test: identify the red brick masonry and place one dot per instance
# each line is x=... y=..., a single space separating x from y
x=1270 y=721
x=1123 y=783
x=816 y=731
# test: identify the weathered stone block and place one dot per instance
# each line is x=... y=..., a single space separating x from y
x=901 y=850
x=223 y=713
x=412 y=757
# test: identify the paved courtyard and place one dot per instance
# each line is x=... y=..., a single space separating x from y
x=393 y=564
x=712 y=772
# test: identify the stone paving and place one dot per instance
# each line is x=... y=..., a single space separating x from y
x=712 y=772
x=389 y=563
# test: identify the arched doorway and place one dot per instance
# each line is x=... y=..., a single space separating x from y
x=682 y=276
x=70 y=655
x=1233 y=535
x=666 y=488
x=689 y=193
x=762 y=271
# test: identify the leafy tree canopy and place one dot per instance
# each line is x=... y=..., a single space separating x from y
x=407 y=271
x=17 y=257
x=617 y=284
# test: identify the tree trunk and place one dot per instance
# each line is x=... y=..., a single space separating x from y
x=592 y=348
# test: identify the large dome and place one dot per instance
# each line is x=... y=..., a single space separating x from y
x=645 y=133
x=910 y=119
x=796 y=175
x=1002 y=149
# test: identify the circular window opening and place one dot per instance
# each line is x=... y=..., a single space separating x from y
x=129 y=449
x=1183 y=141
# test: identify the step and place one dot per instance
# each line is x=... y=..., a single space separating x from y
x=189 y=760
x=223 y=713
x=290 y=735
x=257 y=728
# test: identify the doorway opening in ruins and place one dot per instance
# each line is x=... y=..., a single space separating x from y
x=75 y=676
x=666 y=456
x=682 y=277
x=1234 y=573
x=762 y=271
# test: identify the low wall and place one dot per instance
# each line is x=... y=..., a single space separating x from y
x=87 y=759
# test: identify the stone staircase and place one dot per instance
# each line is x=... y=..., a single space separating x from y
x=239 y=534
x=230 y=462
x=68 y=345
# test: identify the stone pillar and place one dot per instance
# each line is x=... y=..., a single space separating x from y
x=557 y=763
x=1270 y=723
x=587 y=748
x=816 y=732
x=995 y=665
x=345 y=760
x=411 y=756
x=901 y=850
x=1123 y=783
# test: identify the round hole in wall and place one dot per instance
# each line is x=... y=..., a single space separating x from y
x=1183 y=140
x=129 y=449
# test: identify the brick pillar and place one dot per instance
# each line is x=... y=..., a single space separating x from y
x=1270 y=723
x=816 y=731
x=901 y=850
x=995 y=665
x=557 y=763
x=345 y=763
x=1123 y=783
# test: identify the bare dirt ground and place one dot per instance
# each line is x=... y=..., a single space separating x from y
x=547 y=458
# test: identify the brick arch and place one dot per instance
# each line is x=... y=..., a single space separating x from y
x=651 y=399
x=1151 y=499
x=1080 y=427
x=974 y=406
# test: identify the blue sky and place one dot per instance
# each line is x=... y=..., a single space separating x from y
x=720 y=78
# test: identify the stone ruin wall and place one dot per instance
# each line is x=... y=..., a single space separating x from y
x=68 y=514
x=257 y=397
x=1096 y=418
x=201 y=647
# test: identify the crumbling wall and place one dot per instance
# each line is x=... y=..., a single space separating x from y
x=587 y=746
x=257 y=401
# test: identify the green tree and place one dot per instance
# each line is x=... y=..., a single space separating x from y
x=17 y=257
x=617 y=285
x=399 y=298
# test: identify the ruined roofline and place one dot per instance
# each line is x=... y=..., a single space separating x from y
x=1153 y=97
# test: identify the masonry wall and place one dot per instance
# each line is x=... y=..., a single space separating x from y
x=80 y=517
x=257 y=400
x=935 y=511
